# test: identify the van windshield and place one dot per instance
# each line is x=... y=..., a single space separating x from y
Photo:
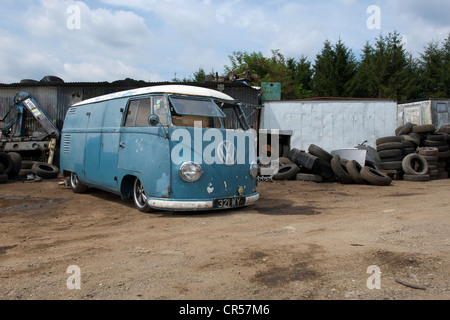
x=196 y=107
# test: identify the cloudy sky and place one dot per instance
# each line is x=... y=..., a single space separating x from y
x=154 y=40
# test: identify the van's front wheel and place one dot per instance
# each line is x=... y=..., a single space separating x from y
x=139 y=196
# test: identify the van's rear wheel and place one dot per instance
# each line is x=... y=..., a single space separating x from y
x=76 y=185
x=139 y=196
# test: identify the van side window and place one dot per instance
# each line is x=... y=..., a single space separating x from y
x=160 y=109
x=138 y=113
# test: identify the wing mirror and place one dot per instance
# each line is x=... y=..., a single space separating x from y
x=153 y=120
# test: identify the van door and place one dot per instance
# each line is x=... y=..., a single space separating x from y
x=144 y=150
x=102 y=143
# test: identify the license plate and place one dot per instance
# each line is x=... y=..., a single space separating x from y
x=229 y=203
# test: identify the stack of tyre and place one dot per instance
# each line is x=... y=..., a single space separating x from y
x=392 y=150
x=438 y=142
x=432 y=144
x=444 y=157
x=12 y=167
x=431 y=156
x=416 y=167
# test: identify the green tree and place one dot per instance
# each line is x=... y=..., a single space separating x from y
x=434 y=67
x=199 y=76
x=394 y=69
x=302 y=73
x=446 y=67
x=363 y=84
x=334 y=68
x=264 y=69
x=386 y=71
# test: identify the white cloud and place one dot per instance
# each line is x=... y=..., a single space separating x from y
x=109 y=45
x=154 y=39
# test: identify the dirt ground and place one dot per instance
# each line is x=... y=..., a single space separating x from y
x=301 y=241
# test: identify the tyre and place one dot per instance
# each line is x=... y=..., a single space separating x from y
x=434 y=173
x=76 y=185
x=428 y=151
x=406 y=151
x=392 y=159
x=444 y=155
x=354 y=170
x=408 y=144
x=302 y=158
x=286 y=172
x=388 y=139
x=409 y=165
x=309 y=177
x=432 y=143
x=443 y=175
x=374 y=177
x=390 y=153
x=7 y=163
x=406 y=129
x=425 y=128
x=285 y=160
x=391 y=165
x=389 y=146
x=424 y=177
x=52 y=79
x=445 y=128
x=3 y=178
x=45 y=170
x=2 y=167
x=443 y=148
x=17 y=164
x=320 y=153
x=139 y=197
x=437 y=136
x=414 y=137
x=340 y=170
x=27 y=164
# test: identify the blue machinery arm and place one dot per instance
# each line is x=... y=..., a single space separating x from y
x=24 y=100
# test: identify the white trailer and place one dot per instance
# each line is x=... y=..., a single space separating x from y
x=430 y=111
x=330 y=123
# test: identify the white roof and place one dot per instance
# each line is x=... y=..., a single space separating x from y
x=175 y=89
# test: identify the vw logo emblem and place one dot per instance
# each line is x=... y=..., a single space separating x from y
x=226 y=152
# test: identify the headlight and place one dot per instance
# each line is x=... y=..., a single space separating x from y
x=191 y=171
x=253 y=170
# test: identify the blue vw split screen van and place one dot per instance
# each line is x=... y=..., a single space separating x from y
x=170 y=147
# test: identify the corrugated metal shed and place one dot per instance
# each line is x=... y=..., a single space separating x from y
x=56 y=98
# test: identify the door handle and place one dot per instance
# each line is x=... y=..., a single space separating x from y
x=122 y=144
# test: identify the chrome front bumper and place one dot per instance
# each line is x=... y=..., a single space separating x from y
x=193 y=205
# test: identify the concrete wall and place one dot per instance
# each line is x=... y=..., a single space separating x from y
x=331 y=124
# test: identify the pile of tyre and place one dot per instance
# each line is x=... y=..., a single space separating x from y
x=12 y=167
x=431 y=145
x=318 y=165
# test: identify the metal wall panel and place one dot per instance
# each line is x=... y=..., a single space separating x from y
x=331 y=125
x=56 y=100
